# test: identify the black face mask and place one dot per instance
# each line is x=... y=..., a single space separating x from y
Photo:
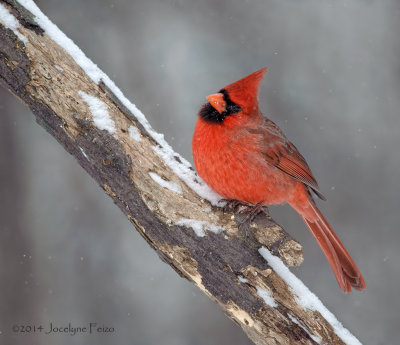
x=210 y=114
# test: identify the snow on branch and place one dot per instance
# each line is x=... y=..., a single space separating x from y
x=239 y=267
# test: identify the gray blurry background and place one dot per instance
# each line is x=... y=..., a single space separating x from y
x=69 y=255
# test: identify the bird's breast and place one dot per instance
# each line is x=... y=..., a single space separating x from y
x=234 y=170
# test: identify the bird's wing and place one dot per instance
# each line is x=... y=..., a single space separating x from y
x=282 y=154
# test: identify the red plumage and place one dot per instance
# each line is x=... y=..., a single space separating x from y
x=245 y=156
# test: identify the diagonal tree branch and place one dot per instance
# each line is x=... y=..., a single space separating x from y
x=86 y=113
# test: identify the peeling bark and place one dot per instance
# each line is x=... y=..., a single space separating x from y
x=121 y=167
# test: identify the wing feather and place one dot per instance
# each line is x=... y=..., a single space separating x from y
x=281 y=153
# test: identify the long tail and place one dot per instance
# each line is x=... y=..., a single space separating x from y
x=346 y=272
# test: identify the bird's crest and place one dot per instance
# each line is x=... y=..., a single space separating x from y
x=245 y=91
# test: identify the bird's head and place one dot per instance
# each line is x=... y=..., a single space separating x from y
x=239 y=98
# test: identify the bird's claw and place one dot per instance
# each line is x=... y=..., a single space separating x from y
x=246 y=210
x=231 y=205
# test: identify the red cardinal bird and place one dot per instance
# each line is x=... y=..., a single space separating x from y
x=246 y=157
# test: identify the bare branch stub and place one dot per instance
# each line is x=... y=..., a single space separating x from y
x=226 y=266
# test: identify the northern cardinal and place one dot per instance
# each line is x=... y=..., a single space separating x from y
x=244 y=156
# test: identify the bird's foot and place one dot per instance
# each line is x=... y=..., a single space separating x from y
x=244 y=211
x=232 y=205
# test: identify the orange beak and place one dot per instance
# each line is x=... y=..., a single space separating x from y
x=217 y=102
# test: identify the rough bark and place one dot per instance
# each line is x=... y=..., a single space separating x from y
x=121 y=166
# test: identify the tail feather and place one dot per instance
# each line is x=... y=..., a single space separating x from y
x=346 y=272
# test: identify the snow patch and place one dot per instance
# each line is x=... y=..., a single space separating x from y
x=172 y=186
x=313 y=337
x=101 y=117
x=58 y=68
x=184 y=170
x=84 y=153
x=306 y=298
x=11 y=22
x=59 y=37
x=199 y=226
x=266 y=296
x=177 y=163
x=242 y=279
x=134 y=133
